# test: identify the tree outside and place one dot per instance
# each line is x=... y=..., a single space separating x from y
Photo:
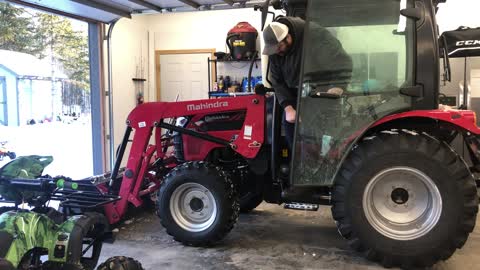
x=63 y=43
x=53 y=37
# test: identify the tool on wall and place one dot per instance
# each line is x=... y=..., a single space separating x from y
x=139 y=81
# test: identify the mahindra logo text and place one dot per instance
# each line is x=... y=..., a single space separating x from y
x=207 y=105
x=468 y=42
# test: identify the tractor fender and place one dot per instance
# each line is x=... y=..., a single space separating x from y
x=462 y=119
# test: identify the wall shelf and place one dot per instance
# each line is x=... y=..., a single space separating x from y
x=233 y=60
x=212 y=64
x=220 y=94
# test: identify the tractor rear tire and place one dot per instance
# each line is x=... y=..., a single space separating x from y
x=404 y=199
x=120 y=263
x=198 y=204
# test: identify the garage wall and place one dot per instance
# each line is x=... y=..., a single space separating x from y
x=197 y=30
x=455 y=13
x=140 y=36
x=129 y=44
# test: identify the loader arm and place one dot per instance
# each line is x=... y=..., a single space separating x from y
x=150 y=117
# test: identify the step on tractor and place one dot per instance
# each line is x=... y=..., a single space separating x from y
x=380 y=153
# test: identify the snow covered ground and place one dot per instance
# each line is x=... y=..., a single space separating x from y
x=69 y=144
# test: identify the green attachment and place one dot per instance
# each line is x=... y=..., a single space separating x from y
x=60 y=183
x=74 y=185
x=26 y=167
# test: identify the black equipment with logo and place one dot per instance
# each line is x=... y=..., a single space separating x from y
x=463 y=42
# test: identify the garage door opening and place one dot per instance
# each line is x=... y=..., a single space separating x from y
x=45 y=99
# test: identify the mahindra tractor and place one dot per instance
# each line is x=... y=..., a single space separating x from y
x=380 y=153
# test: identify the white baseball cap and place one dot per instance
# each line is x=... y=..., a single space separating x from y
x=273 y=34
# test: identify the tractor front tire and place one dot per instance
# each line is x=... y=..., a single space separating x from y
x=120 y=263
x=198 y=203
x=404 y=199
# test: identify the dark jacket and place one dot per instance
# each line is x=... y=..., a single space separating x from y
x=285 y=70
x=326 y=61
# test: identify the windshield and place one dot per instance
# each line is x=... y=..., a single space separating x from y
x=365 y=49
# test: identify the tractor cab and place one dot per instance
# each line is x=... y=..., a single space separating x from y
x=380 y=44
x=379 y=52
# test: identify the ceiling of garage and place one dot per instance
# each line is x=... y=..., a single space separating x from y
x=107 y=11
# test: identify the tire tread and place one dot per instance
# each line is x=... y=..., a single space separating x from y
x=424 y=145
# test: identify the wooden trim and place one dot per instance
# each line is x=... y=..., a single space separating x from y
x=167 y=52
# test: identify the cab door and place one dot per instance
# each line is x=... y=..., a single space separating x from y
x=366 y=48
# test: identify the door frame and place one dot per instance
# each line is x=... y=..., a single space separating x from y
x=3 y=93
x=159 y=53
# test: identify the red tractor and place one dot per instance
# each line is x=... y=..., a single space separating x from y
x=380 y=154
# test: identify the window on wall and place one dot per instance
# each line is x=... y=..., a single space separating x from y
x=45 y=101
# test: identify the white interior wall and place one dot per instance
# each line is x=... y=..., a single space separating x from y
x=200 y=30
x=139 y=37
x=130 y=39
x=455 y=13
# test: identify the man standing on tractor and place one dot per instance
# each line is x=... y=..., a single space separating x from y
x=284 y=44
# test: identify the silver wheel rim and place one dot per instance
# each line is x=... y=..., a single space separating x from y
x=402 y=203
x=193 y=207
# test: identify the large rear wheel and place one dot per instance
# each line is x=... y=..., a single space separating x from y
x=404 y=199
x=198 y=203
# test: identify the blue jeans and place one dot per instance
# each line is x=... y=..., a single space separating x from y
x=289 y=131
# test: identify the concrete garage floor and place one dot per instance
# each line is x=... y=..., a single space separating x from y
x=268 y=238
